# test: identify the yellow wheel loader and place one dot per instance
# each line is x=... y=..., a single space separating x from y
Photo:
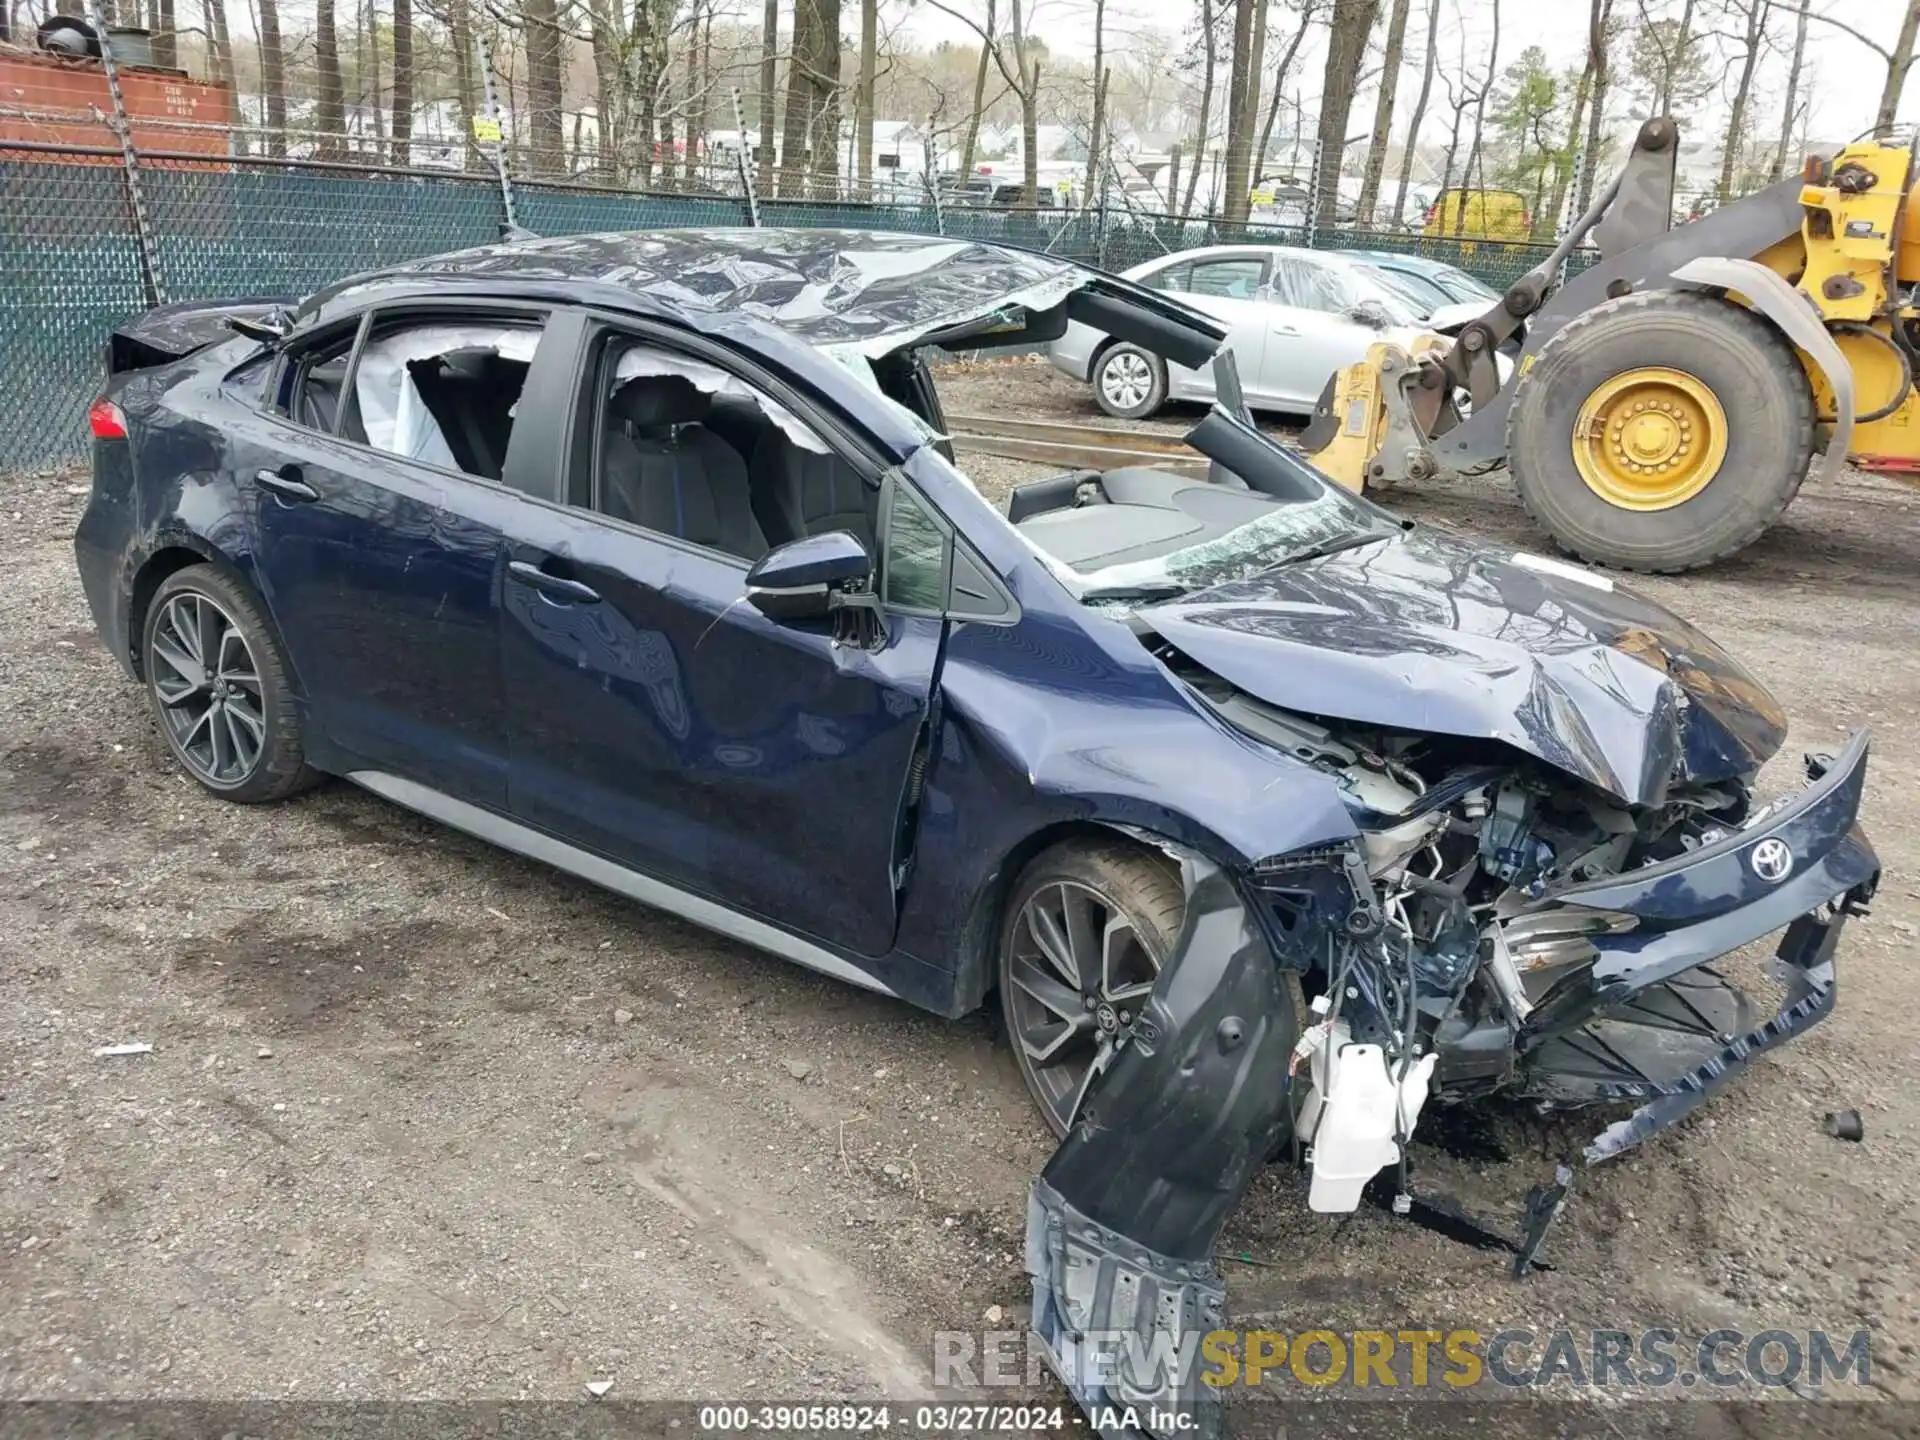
x=1659 y=410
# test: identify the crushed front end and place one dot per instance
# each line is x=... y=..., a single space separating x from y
x=1496 y=927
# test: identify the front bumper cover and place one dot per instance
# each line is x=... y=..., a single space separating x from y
x=1123 y=1221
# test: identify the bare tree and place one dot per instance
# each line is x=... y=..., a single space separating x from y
x=329 y=98
x=972 y=141
x=1898 y=60
x=1599 y=38
x=1097 y=126
x=1202 y=120
x=402 y=82
x=1788 y=106
x=1376 y=161
x=1351 y=24
x=1753 y=15
x=1419 y=111
x=769 y=89
x=1475 y=174
x=219 y=41
x=1021 y=70
x=546 y=136
x=811 y=139
x=1243 y=101
x=863 y=94
x=1308 y=10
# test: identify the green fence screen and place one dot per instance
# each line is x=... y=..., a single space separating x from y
x=70 y=263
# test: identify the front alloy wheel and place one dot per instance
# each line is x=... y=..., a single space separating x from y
x=1129 y=383
x=1087 y=932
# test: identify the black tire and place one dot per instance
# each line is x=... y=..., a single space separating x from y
x=1137 y=884
x=1745 y=363
x=1127 y=372
x=246 y=699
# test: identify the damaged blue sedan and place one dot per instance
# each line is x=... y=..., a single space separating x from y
x=1267 y=819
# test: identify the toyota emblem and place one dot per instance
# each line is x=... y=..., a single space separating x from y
x=1771 y=860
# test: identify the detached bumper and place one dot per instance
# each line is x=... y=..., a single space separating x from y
x=1648 y=1018
x=1633 y=1009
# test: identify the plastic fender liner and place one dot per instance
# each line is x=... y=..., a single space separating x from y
x=1122 y=1223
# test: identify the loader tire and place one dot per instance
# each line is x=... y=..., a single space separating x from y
x=1661 y=431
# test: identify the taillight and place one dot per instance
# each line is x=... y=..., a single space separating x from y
x=106 y=421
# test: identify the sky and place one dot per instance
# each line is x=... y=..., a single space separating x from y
x=1842 y=79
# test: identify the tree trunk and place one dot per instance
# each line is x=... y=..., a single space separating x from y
x=603 y=32
x=402 y=82
x=813 y=82
x=769 y=90
x=166 y=38
x=1897 y=66
x=1670 y=63
x=1598 y=23
x=863 y=96
x=546 y=135
x=1475 y=173
x=369 y=75
x=1026 y=63
x=466 y=80
x=1583 y=91
x=1419 y=112
x=1756 y=17
x=1280 y=81
x=1097 y=127
x=1376 y=161
x=1779 y=166
x=219 y=40
x=329 y=100
x=972 y=141
x=1206 y=108
x=1241 y=77
x=1347 y=35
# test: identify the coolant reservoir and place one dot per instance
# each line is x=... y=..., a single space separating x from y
x=1355 y=1110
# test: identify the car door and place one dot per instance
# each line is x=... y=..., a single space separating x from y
x=376 y=549
x=1311 y=332
x=1232 y=289
x=657 y=718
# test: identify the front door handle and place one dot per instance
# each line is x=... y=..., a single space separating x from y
x=558 y=586
x=1286 y=330
x=286 y=483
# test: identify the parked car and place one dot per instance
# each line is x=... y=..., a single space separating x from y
x=643 y=555
x=1432 y=284
x=1293 y=316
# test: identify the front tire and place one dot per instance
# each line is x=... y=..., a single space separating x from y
x=1661 y=431
x=1086 y=929
x=220 y=688
x=1129 y=383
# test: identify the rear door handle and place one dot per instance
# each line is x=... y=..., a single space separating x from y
x=286 y=482
x=558 y=586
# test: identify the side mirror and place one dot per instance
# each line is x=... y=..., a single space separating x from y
x=1369 y=314
x=801 y=580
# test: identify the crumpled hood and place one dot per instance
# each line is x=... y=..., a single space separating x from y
x=1427 y=632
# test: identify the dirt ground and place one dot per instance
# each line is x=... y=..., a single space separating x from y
x=426 y=1120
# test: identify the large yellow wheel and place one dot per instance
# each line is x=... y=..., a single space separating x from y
x=1650 y=438
x=1661 y=430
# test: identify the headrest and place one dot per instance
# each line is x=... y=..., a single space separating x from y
x=655 y=402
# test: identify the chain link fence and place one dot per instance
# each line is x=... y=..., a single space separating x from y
x=73 y=218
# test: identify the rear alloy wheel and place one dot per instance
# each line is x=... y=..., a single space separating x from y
x=219 y=689
x=1087 y=929
x=1129 y=383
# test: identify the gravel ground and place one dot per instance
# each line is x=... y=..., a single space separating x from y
x=425 y=1120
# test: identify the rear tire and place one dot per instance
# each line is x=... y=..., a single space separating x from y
x=1129 y=383
x=221 y=690
x=1661 y=431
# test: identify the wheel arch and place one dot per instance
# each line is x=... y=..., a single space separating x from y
x=973 y=971
x=176 y=551
x=1786 y=309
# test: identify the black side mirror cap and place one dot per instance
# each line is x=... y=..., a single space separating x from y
x=798 y=580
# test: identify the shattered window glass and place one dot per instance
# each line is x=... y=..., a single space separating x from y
x=443 y=394
x=1287 y=532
